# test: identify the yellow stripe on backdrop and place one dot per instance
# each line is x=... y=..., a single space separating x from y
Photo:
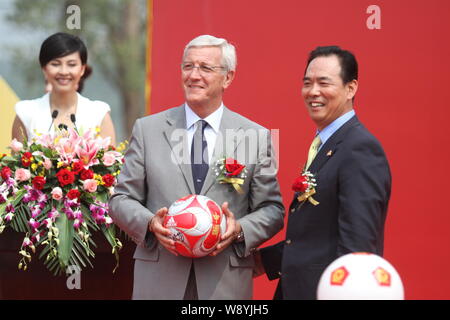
x=148 y=62
x=8 y=99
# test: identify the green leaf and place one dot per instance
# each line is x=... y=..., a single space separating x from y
x=110 y=234
x=20 y=221
x=66 y=234
x=103 y=197
x=18 y=197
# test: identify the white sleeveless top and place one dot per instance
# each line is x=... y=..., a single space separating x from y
x=36 y=114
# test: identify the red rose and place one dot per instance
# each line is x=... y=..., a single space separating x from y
x=86 y=174
x=26 y=159
x=38 y=182
x=77 y=167
x=5 y=173
x=65 y=177
x=300 y=184
x=233 y=167
x=108 y=180
x=73 y=194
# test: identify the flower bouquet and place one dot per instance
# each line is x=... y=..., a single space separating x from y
x=55 y=191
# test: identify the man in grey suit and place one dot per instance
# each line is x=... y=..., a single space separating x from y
x=160 y=168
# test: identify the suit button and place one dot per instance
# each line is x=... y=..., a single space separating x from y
x=288 y=241
x=292 y=210
x=279 y=273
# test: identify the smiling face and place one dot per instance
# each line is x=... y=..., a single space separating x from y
x=63 y=74
x=204 y=90
x=325 y=95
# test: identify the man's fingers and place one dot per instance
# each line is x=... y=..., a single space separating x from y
x=221 y=246
x=225 y=210
x=157 y=222
x=231 y=222
x=162 y=212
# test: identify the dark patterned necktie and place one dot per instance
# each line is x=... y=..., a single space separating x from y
x=199 y=156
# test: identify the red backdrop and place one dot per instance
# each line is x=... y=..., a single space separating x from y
x=403 y=99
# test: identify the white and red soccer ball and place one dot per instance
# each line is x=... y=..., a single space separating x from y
x=360 y=276
x=196 y=223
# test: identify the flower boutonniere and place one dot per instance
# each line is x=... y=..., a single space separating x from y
x=305 y=185
x=229 y=170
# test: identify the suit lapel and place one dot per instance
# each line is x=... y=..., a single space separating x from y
x=176 y=136
x=229 y=126
x=331 y=146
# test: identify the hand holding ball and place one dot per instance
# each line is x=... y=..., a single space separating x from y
x=196 y=224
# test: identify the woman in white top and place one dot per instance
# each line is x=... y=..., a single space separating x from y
x=63 y=59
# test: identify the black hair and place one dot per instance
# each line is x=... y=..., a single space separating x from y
x=60 y=45
x=349 y=65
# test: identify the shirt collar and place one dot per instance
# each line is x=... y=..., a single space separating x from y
x=213 y=119
x=329 y=130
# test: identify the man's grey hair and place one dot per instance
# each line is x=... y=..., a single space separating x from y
x=228 y=50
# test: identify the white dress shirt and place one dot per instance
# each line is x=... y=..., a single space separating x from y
x=211 y=131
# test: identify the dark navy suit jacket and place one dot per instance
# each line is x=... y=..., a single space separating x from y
x=353 y=190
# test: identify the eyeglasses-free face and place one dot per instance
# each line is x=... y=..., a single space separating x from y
x=63 y=74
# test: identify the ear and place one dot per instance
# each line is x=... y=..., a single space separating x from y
x=228 y=79
x=83 y=69
x=352 y=87
x=44 y=72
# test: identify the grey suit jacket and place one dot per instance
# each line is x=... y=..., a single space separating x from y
x=157 y=172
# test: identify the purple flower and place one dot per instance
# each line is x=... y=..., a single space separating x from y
x=10 y=182
x=36 y=237
x=34 y=194
x=71 y=203
x=98 y=212
x=42 y=198
x=27 y=242
x=78 y=214
x=77 y=223
x=35 y=211
x=34 y=224
x=10 y=208
x=2 y=198
x=26 y=198
x=69 y=213
x=53 y=214
x=47 y=222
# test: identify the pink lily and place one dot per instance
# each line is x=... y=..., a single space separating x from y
x=86 y=152
x=66 y=146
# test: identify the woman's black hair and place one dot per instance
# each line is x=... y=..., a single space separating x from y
x=60 y=45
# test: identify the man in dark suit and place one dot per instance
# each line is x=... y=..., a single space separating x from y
x=353 y=183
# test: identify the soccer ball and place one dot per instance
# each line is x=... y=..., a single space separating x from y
x=360 y=276
x=196 y=223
